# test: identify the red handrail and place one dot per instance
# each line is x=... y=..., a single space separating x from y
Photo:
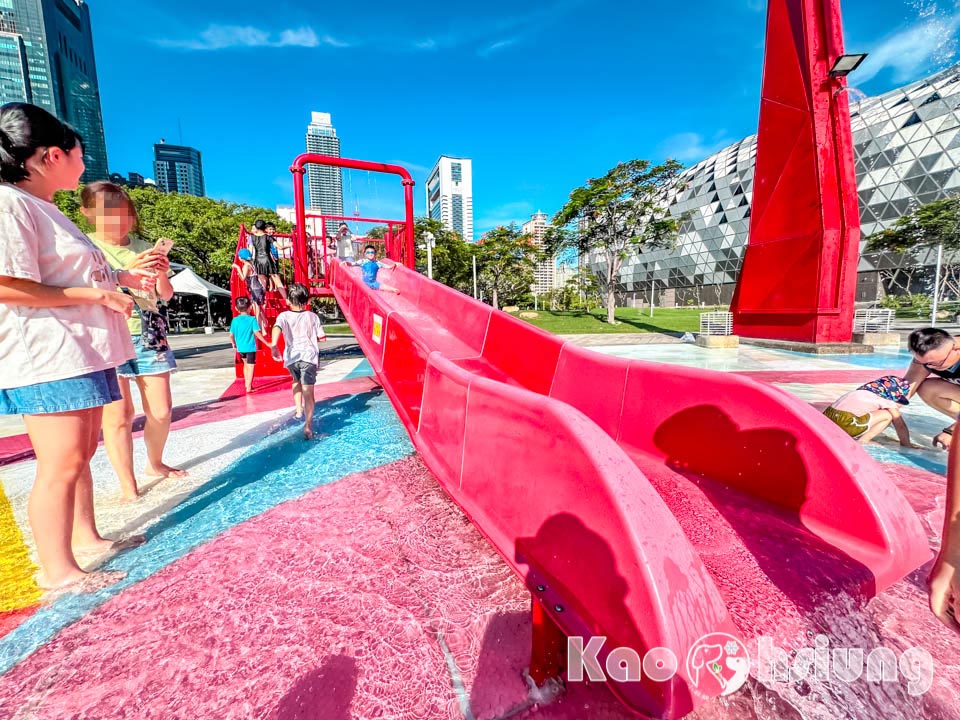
x=399 y=246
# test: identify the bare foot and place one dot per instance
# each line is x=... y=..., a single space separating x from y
x=80 y=582
x=124 y=498
x=249 y=389
x=106 y=545
x=298 y=416
x=165 y=471
x=308 y=433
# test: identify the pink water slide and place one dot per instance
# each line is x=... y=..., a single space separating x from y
x=648 y=504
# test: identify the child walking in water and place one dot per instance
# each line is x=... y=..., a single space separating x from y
x=244 y=333
x=867 y=411
x=302 y=331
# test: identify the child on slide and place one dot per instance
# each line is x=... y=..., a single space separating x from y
x=370 y=267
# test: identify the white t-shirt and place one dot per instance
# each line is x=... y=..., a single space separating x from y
x=300 y=332
x=39 y=243
x=861 y=402
x=345 y=247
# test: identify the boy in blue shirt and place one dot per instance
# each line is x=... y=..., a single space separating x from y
x=370 y=266
x=244 y=332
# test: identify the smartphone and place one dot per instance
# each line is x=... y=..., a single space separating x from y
x=164 y=246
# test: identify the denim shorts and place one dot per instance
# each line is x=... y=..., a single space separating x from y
x=303 y=372
x=57 y=396
x=147 y=362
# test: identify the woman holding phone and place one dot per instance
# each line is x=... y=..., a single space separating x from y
x=114 y=217
x=62 y=333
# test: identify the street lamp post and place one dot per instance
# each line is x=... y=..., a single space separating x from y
x=430 y=242
x=476 y=295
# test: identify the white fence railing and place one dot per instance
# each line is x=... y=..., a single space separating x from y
x=716 y=323
x=872 y=321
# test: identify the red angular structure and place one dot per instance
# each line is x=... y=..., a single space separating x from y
x=798 y=279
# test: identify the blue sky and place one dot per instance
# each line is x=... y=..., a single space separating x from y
x=542 y=95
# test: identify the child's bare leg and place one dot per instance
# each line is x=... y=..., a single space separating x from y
x=879 y=421
x=298 y=398
x=248 y=370
x=308 y=405
x=389 y=288
x=278 y=286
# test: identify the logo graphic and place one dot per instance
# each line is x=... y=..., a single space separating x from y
x=377 y=329
x=717 y=664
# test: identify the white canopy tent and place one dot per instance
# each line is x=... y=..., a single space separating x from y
x=189 y=283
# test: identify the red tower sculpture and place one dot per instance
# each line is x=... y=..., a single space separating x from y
x=798 y=279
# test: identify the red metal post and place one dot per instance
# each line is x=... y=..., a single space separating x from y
x=409 y=251
x=311 y=158
x=547 y=657
x=299 y=240
x=799 y=273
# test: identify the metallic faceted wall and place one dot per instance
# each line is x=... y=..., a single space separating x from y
x=907 y=145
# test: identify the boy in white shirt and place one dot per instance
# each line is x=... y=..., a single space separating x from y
x=302 y=332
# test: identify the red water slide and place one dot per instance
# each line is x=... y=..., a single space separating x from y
x=645 y=503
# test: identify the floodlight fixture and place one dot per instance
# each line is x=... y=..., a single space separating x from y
x=846 y=64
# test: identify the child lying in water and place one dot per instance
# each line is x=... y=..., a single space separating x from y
x=867 y=411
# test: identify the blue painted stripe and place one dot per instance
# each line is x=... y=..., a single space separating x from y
x=356 y=434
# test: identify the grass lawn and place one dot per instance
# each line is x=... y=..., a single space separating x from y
x=631 y=320
x=337 y=329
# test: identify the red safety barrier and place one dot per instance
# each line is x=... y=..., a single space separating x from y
x=580 y=469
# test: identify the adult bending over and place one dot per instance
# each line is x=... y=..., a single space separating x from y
x=934 y=374
x=62 y=333
x=114 y=217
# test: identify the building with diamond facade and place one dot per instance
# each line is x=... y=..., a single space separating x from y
x=907 y=147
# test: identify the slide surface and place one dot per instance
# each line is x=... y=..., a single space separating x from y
x=649 y=504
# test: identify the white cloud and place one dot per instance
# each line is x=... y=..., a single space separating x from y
x=222 y=37
x=693 y=147
x=912 y=51
x=496 y=47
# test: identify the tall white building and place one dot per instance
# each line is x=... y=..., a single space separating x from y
x=450 y=195
x=545 y=271
x=325 y=183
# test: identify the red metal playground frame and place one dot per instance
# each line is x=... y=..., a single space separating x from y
x=399 y=244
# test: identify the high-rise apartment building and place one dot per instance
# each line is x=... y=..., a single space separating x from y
x=536 y=227
x=14 y=77
x=325 y=184
x=178 y=169
x=46 y=58
x=450 y=195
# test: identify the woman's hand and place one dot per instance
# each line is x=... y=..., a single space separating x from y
x=150 y=260
x=118 y=302
x=144 y=280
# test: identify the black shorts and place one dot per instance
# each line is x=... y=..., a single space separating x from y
x=303 y=372
x=250 y=358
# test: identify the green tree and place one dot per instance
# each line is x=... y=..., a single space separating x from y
x=506 y=260
x=205 y=230
x=912 y=235
x=585 y=289
x=452 y=256
x=620 y=214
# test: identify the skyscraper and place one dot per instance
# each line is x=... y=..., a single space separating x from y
x=46 y=58
x=450 y=195
x=178 y=169
x=544 y=273
x=14 y=80
x=325 y=183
